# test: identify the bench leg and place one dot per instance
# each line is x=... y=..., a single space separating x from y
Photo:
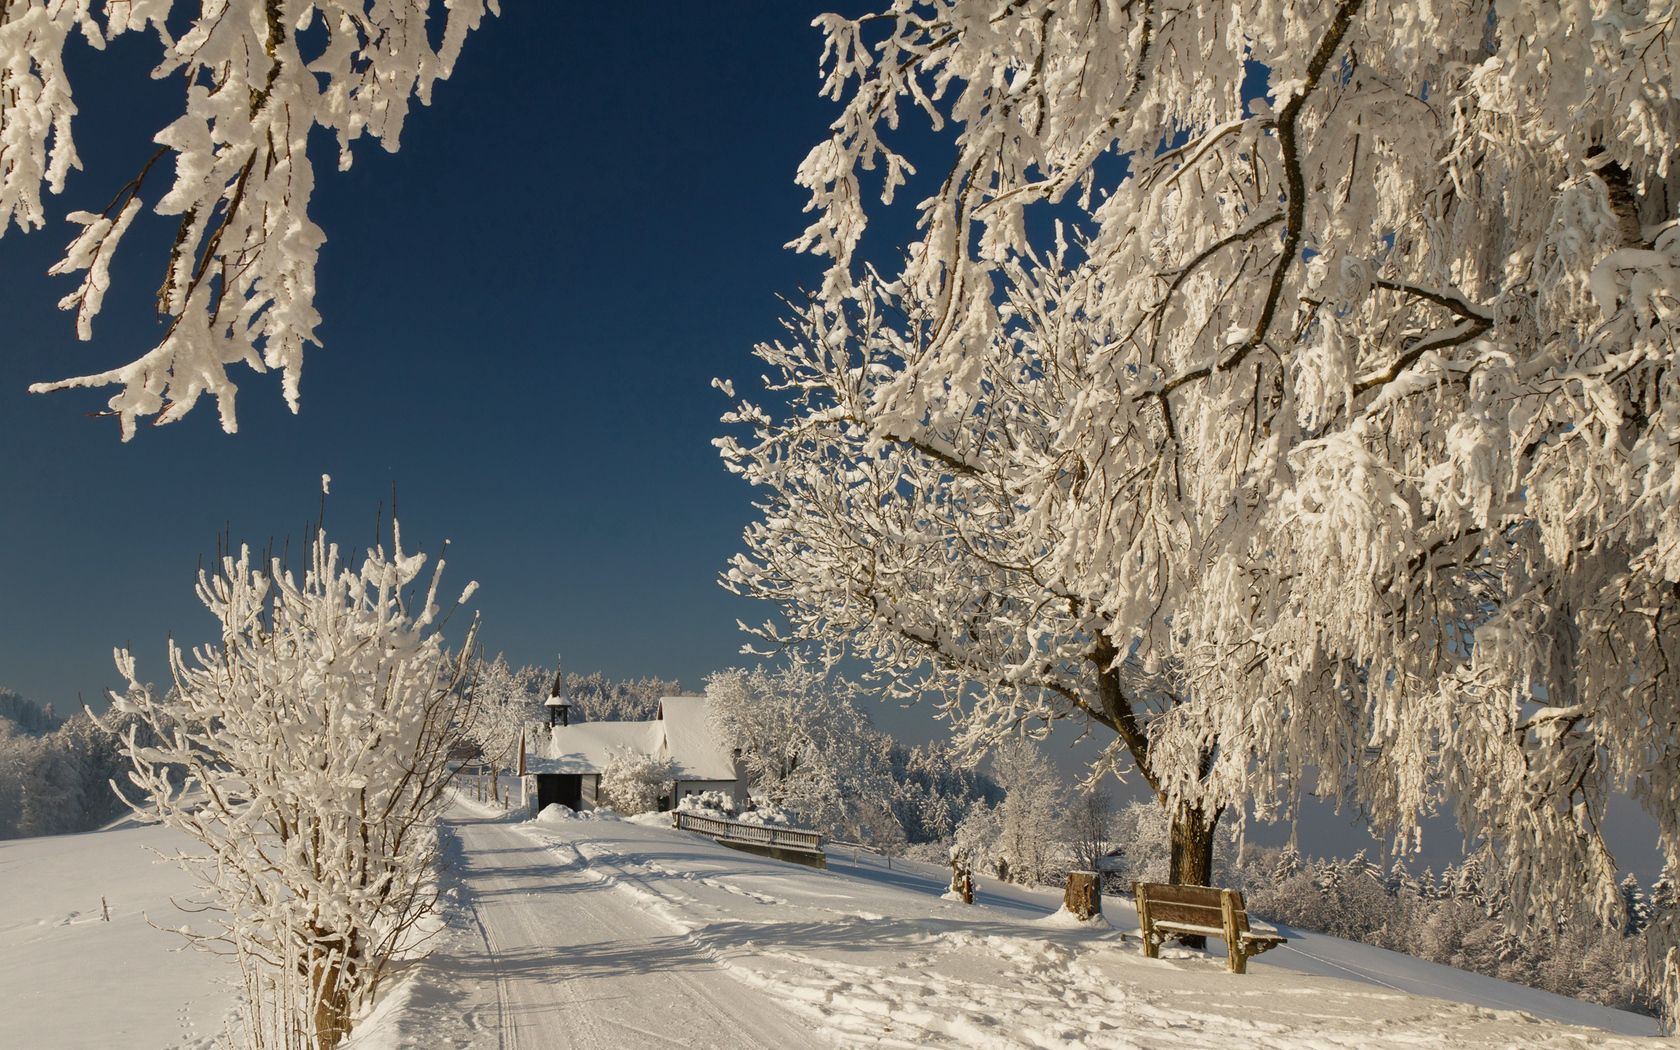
x=1229 y=906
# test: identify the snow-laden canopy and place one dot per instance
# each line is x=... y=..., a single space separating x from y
x=1315 y=360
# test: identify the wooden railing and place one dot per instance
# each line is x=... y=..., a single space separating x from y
x=758 y=834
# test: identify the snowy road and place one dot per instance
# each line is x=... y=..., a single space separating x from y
x=579 y=964
x=579 y=933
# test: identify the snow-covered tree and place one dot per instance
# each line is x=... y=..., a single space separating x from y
x=506 y=705
x=934 y=787
x=596 y=698
x=258 y=77
x=53 y=790
x=1032 y=818
x=1316 y=357
x=634 y=781
x=805 y=743
x=928 y=554
x=1090 y=826
x=307 y=755
x=1635 y=905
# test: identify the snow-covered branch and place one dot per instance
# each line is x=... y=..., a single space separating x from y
x=258 y=77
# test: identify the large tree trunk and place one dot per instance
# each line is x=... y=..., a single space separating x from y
x=1192 y=853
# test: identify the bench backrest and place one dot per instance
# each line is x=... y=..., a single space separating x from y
x=1196 y=905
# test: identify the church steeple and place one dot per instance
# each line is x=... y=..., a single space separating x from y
x=559 y=711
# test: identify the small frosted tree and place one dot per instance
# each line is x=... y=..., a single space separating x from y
x=1090 y=826
x=306 y=754
x=505 y=704
x=974 y=843
x=1032 y=817
x=634 y=782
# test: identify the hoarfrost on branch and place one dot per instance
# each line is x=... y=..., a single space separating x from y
x=259 y=76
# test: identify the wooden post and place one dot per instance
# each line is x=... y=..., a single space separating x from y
x=962 y=881
x=1151 y=947
x=1083 y=896
x=105 y=909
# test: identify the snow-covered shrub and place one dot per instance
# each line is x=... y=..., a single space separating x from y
x=710 y=804
x=634 y=781
x=766 y=813
x=1461 y=919
x=307 y=755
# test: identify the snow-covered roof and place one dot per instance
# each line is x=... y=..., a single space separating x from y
x=589 y=746
x=680 y=731
x=690 y=741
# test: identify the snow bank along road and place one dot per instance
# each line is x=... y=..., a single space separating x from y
x=586 y=933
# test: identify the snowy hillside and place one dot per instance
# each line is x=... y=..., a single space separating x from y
x=596 y=933
x=75 y=981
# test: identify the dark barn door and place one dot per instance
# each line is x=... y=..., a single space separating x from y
x=564 y=788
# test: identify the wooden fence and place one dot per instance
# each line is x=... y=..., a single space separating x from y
x=755 y=834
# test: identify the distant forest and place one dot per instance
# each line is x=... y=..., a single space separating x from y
x=55 y=773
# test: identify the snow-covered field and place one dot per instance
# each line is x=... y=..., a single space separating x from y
x=598 y=933
x=72 y=980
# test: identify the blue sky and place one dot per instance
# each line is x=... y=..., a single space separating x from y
x=523 y=309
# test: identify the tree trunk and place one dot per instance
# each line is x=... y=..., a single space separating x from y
x=332 y=1001
x=1083 y=895
x=331 y=1024
x=1192 y=854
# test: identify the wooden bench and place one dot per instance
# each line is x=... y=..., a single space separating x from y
x=1164 y=911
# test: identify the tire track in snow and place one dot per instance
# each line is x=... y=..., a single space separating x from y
x=588 y=956
x=503 y=1033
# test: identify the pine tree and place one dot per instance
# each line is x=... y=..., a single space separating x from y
x=1636 y=907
